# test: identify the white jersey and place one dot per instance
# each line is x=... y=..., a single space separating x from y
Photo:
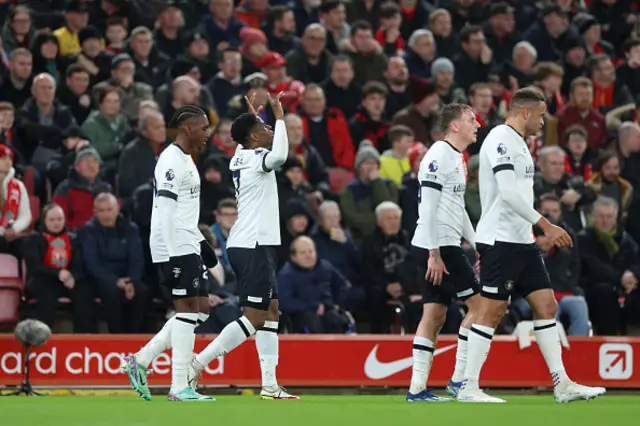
x=504 y=149
x=443 y=169
x=176 y=177
x=257 y=197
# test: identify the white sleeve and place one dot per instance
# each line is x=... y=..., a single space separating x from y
x=501 y=158
x=280 y=149
x=23 y=220
x=468 y=232
x=510 y=195
x=167 y=178
x=167 y=209
x=428 y=209
x=432 y=175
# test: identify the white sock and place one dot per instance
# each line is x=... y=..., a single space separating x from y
x=182 y=340
x=422 y=358
x=477 y=351
x=158 y=344
x=229 y=338
x=202 y=318
x=548 y=341
x=461 y=355
x=267 y=345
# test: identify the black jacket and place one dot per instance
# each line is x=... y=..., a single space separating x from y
x=571 y=217
x=598 y=267
x=33 y=134
x=68 y=98
x=348 y=100
x=34 y=258
x=136 y=165
x=386 y=260
x=563 y=266
x=474 y=70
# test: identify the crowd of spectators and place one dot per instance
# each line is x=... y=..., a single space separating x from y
x=87 y=88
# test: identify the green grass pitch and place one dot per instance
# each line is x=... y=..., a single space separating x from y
x=314 y=410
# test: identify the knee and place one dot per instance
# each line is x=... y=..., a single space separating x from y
x=490 y=314
x=546 y=310
x=256 y=317
x=273 y=314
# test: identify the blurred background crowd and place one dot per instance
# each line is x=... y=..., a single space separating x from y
x=87 y=88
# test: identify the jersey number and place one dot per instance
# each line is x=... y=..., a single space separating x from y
x=236 y=180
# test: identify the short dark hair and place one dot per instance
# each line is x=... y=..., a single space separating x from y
x=374 y=88
x=229 y=203
x=389 y=10
x=276 y=13
x=549 y=196
x=328 y=5
x=185 y=113
x=75 y=69
x=593 y=63
x=102 y=94
x=242 y=127
x=580 y=82
x=398 y=132
x=341 y=58
x=451 y=112
x=361 y=25
x=630 y=44
x=116 y=20
x=478 y=86
x=575 y=129
x=525 y=96
x=468 y=31
x=544 y=70
x=604 y=158
x=225 y=51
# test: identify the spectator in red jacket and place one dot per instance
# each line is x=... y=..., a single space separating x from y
x=576 y=162
x=369 y=122
x=608 y=93
x=76 y=193
x=580 y=111
x=274 y=66
x=326 y=129
x=15 y=213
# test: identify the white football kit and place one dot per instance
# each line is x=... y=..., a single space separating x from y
x=175 y=177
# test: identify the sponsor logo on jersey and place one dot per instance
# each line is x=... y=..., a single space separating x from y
x=459 y=188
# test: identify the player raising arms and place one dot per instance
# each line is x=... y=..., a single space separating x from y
x=250 y=247
x=510 y=261
x=443 y=221
x=178 y=247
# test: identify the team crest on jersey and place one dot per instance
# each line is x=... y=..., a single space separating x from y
x=433 y=166
x=170 y=175
x=509 y=285
x=502 y=149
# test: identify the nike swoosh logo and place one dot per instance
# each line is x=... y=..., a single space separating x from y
x=375 y=369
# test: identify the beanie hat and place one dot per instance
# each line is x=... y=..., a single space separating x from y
x=251 y=36
x=87 y=151
x=181 y=67
x=420 y=88
x=441 y=64
x=366 y=151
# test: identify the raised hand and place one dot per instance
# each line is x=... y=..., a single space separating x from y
x=252 y=109
x=276 y=106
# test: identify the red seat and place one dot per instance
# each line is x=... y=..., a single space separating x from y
x=339 y=178
x=8 y=266
x=34 y=203
x=9 y=307
x=29 y=180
